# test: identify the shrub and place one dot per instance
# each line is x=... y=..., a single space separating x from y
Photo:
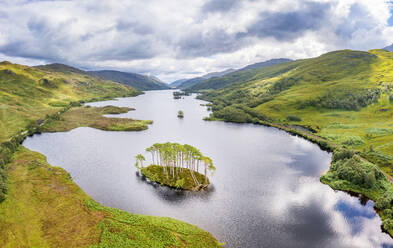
x=342 y=154
x=232 y=114
x=293 y=118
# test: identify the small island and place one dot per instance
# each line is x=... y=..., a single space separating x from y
x=179 y=94
x=177 y=166
x=180 y=114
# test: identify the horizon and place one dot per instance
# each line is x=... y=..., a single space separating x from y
x=171 y=42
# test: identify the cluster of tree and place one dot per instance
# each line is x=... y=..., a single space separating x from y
x=239 y=113
x=293 y=118
x=346 y=101
x=348 y=166
x=174 y=157
x=179 y=94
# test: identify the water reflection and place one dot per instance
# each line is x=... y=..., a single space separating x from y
x=266 y=188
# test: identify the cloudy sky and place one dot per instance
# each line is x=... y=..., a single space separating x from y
x=175 y=39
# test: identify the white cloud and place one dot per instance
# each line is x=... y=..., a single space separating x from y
x=175 y=39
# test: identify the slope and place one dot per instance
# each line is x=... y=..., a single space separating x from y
x=138 y=81
x=28 y=94
x=343 y=96
x=193 y=81
x=242 y=75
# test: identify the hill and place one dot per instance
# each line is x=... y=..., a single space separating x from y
x=193 y=81
x=265 y=64
x=177 y=83
x=343 y=96
x=137 y=81
x=28 y=94
x=250 y=72
x=389 y=48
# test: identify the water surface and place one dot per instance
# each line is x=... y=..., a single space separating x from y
x=265 y=193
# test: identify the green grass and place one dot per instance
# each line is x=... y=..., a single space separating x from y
x=45 y=208
x=93 y=117
x=318 y=92
x=182 y=179
x=28 y=94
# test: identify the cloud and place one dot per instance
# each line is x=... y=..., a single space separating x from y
x=178 y=39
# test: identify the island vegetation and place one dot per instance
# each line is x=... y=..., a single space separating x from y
x=179 y=94
x=177 y=165
x=86 y=116
x=180 y=114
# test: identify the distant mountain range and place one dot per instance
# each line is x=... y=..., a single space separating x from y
x=216 y=80
x=138 y=81
x=389 y=48
x=135 y=80
x=176 y=83
x=187 y=83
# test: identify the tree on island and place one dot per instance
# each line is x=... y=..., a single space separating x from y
x=180 y=114
x=176 y=160
x=139 y=161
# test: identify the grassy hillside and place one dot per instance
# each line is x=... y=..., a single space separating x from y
x=28 y=94
x=137 y=81
x=344 y=96
x=194 y=81
x=238 y=76
x=342 y=100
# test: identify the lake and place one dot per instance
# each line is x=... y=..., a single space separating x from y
x=265 y=192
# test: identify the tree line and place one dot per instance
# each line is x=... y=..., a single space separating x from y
x=174 y=157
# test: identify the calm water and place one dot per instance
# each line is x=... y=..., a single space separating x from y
x=265 y=193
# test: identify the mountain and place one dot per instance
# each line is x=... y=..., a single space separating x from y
x=265 y=64
x=240 y=75
x=138 y=81
x=56 y=67
x=389 y=48
x=178 y=82
x=193 y=81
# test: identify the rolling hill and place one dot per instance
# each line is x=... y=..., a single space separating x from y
x=193 y=81
x=137 y=81
x=250 y=72
x=343 y=96
x=28 y=94
x=178 y=82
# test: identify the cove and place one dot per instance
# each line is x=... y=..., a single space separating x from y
x=265 y=193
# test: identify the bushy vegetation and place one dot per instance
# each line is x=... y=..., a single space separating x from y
x=350 y=172
x=176 y=165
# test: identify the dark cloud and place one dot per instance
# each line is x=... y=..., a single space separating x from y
x=219 y=5
x=283 y=26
